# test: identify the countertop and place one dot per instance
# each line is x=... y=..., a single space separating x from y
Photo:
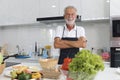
x=19 y=60
x=108 y=73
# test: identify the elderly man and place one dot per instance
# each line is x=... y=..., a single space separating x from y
x=70 y=37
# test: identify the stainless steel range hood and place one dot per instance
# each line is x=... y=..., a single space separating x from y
x=56 y=19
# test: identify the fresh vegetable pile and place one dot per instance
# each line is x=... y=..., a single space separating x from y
x=25 y=76
x=24 y=73
x=86 y=62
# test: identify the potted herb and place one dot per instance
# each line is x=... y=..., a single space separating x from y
x=2 y=64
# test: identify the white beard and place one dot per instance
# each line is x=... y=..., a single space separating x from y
x=70 y=21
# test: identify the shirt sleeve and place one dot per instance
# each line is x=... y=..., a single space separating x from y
x=59 y=31
x=81 y=32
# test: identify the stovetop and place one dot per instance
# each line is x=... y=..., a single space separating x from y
x=11 y=63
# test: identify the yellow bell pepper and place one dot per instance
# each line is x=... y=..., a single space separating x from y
x=36 y=75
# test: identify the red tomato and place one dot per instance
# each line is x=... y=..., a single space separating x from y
x=66 y=62
x=69 y=79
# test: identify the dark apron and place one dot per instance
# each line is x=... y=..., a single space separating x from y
x=68 y=52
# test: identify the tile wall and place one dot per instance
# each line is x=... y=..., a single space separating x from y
x=25 y=36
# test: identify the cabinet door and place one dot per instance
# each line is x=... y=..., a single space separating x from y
x=18 y=11
x=115 y=8
x=10 y=12
x=94 y=9
x=30 y=10
x=49 y=8
x=75 y=3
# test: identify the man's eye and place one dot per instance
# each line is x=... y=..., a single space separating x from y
x=70 y=14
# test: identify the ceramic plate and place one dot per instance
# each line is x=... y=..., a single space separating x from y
x=7 y=74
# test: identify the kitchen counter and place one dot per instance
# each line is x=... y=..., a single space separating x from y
x=108 y=73
x=34 y=59
x=19 y=60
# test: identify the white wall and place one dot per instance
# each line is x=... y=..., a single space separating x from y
x=98 y=34
x=25 y=35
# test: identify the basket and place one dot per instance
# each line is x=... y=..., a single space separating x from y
x=48 y=63
x=2 y=66
x=50 y=74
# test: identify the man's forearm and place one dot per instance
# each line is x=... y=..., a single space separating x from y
x=61 y=44
x=77 y=44
x=72 y=43
x=80 y=43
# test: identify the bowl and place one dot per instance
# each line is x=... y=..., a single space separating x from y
x=48 y=63
x=77 y=75
x=81 y=76
x=2 y=67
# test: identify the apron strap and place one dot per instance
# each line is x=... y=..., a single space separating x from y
x=64 y=30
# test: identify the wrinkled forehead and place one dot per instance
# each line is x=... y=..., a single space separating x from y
x=70 y=11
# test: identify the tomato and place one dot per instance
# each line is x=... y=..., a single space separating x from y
x=69 y=79
x=65 y=65
x=67 y=60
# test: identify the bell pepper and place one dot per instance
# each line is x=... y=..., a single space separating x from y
x=36 y=75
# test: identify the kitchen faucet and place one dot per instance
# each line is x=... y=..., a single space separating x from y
x=18 y=48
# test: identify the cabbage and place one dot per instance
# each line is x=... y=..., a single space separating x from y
x=86 y=62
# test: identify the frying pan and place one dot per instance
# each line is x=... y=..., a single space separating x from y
x=9 y=57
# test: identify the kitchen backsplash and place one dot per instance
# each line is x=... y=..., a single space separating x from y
x=25 y=36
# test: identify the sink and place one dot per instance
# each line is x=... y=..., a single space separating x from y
x=11 y=63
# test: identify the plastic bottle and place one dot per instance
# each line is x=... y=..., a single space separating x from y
x=36 y=48
x=45 y=54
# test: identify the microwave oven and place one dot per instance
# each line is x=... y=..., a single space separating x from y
x=115 y=28
x=115 y=31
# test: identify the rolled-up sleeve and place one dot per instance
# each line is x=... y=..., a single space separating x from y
x=59 y=31
x=81 y=32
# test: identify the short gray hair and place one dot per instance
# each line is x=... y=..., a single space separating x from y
x=72 y=7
